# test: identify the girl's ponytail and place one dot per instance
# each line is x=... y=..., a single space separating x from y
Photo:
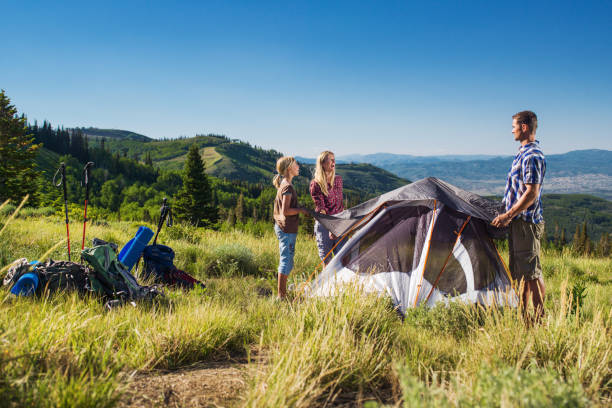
x=276 y=180
x=282 y=165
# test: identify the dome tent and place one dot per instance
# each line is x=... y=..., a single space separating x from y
x=422 y=243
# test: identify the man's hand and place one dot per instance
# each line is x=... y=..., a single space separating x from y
x=502 y=220
x=532 y=192
x=332 y=236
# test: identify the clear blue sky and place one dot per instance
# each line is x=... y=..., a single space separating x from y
x=419 y=78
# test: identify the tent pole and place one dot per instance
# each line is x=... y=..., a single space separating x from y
x=433 y=220
x=447 y=258
x=502 y=261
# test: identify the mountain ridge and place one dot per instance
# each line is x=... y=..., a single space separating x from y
x=113 y=134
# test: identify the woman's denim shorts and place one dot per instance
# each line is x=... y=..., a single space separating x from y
x=286 y=246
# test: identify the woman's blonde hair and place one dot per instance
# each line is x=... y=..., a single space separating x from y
x=282 y=165
x=320 y=176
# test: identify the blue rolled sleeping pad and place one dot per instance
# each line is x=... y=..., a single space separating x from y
x=132 y=250
x=26 y=285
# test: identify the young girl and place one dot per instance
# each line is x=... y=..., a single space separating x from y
x=286 y=218
x=326 y=192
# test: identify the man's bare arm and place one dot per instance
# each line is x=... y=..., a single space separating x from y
x=527 y=199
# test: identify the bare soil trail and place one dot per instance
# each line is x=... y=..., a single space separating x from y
x=207 y=384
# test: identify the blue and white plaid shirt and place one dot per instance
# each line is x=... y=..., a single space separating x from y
x=528 y=167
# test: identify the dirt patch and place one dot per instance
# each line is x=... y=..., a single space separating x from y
x=385 y=396
x=210 y=384
x=222 y=384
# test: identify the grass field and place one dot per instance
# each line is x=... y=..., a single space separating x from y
x=68 y=351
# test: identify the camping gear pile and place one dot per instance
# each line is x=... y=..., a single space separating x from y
x=421 y=244
x=102 y=270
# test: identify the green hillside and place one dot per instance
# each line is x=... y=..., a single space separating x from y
x=565 y=211
x=232 y=159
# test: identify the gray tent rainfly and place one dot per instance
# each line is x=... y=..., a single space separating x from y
x=422 y=243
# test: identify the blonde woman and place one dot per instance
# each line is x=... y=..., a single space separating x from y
x=326 y=192
x=286 y=218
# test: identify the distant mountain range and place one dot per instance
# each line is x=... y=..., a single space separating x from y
x=579 y=171
x=401 y=158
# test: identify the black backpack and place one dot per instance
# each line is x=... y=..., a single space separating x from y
x=52 y=276
x=62 y=275
x=159 y=266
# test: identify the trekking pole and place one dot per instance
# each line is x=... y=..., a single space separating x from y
x=86 y=174
x=62 y=182
x=165 y=211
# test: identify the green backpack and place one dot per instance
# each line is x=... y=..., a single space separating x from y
x=111 y=278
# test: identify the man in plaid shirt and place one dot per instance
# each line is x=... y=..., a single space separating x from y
x=524 y=211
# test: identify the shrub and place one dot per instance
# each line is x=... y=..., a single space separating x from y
x=7 y=209
x=258 y=228
x=578 y=294
x=37 y=212
x=232 y=260
x=496 y=387
x=182 y=232
x=456 y=319
x=189 y=258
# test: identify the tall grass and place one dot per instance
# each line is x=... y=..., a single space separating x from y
x=328 y=346
x=12 y=217
x=68 y=351
x=4 y=205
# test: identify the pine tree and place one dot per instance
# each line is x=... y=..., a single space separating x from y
x=231 y=217
x=240 y=209
x=577 y=244
x=584 y=240
x=263 y=207
x=193 y=201
x=78 y=146
x=17 y=154
x=603 y=248
x=588 y=247
x=562 y=239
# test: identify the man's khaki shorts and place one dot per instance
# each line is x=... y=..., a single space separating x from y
x=524 y=248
